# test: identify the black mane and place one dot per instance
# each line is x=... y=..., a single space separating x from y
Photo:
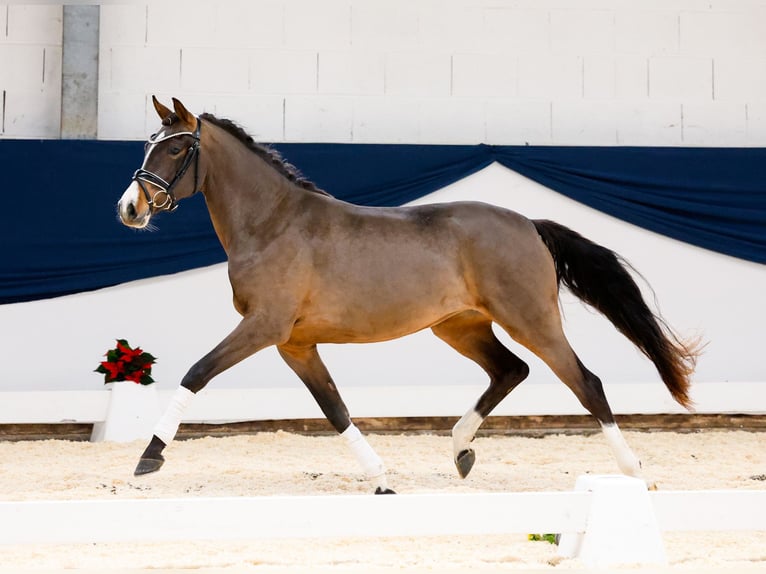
x=270 y=155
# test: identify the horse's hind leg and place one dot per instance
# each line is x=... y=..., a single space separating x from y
x=552 y=347
x=471 y=335
x=308 y=365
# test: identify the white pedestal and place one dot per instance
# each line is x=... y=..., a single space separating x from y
x=621 y=527
x=132 y=414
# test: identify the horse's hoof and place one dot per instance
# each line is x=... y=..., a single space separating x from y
x=148 y=465
x=464 y=462
x=380 y=490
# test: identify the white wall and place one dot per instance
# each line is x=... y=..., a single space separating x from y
x=55 y=344
x=657 y=72
x=673 y=72
x=30 y=71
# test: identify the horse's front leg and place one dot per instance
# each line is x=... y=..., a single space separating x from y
x=247 y=338
x=308 y=365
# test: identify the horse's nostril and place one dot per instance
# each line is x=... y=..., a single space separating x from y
x=131 y=210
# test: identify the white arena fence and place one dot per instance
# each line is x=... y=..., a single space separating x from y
x=215 y=405
x=607 y=520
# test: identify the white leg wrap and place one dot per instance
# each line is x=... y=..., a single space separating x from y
x=465 y=430
x=626 y=460
x=167 y=427
x=371 y=463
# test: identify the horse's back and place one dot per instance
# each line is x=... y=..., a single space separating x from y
x=380 y=273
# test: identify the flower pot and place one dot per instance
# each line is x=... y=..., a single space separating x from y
x=132 y=413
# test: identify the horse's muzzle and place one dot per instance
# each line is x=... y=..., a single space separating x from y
x=129 y=210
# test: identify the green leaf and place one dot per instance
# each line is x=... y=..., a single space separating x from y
x=550 y=538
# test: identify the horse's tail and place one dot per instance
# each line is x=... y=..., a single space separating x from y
x=600 y=277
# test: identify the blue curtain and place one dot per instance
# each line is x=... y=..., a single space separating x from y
x=60 y=232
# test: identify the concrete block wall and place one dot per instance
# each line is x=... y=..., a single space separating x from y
x=30 y=71
x=594 y=72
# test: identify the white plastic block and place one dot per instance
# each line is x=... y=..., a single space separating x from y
x=648 y=33
x=550 y=76
x=720 y=33
x=515 y=122
x=739 y=79
x=386 y=120
x=621 y=527
x=452 y=121
x=223 y=70
x=133 y=412
x=645 y=123
x=33 y=114
x=582 y=31
x=391 y=25
x=144 y=68
x=714 y=124
x=425 y=74
x=681 y=78
x=351 y=72
x=511 y=31
x=319 y=119
x=317 y=25
x=283 y=72
x=484 y=75
x=250 y=23
x=584 y=122
x=122 y=25
x=35 y=24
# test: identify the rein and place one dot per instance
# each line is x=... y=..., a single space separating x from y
x=142 y=175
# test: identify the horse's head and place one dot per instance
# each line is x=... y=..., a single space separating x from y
x=162 y=179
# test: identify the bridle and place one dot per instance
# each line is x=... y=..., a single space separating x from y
x=142 y=175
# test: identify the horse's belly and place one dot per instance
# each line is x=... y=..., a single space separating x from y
x=372 y=320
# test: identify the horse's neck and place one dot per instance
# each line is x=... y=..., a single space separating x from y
x=246 y=198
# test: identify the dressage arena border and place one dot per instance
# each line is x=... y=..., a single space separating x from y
x=615 y=521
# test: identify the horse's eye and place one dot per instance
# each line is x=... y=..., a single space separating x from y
x=174 y=150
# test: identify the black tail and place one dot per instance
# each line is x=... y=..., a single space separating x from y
x=600 y=277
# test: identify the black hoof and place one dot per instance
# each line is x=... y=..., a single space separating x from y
x=380 y=490
x=464 y=462
x=148 y=465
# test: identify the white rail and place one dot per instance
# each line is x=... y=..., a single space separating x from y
x=341 y=516
x=227 y=405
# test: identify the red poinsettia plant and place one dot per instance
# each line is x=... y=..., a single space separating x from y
x=123 y=363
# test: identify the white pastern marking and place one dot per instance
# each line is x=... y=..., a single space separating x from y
x=626 y=460
x=167 y=427
x=367 y=458
x=465 y=430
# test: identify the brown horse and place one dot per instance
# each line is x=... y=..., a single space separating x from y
x=306 y=268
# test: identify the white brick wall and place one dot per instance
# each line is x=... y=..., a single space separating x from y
x=30 y=71
x=658 y=72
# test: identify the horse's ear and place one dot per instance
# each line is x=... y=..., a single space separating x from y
x=185 y=115
x=162 y=111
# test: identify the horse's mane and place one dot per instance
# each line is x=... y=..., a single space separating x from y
x=270 y=155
